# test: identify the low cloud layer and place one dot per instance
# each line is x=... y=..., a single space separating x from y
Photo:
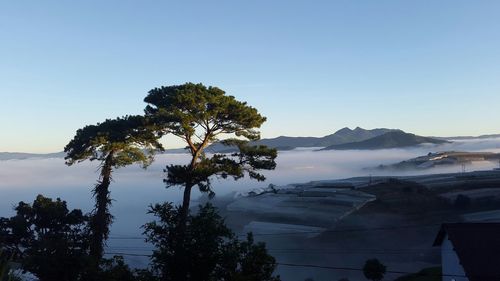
x=133 y=188
x=23 y=179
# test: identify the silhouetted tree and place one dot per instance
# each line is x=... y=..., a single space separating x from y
x=115 y=143
x=247 y=261
x=199 y=115
x=211 y=250
x=374 y=270
x=5 y=258
x=115 y=269
x=47 y=239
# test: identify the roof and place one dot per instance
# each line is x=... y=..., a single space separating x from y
x=477 y=246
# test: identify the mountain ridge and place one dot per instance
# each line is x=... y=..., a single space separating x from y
x=394 y=139
x=342 y=136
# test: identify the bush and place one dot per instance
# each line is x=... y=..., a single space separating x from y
x=374 y=270
x=47 y=239
x=204 y=249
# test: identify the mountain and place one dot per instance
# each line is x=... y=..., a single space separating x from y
x=21 y=156
x=344 y=138
x=492 y=136
x=341 y=136
x=444 y=158
x=347 y=135
x=392 y=139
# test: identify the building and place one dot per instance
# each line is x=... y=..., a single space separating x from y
x=470 y=251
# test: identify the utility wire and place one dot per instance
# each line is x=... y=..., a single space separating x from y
x=310 y=232
x=313 y=250
x=315 y=266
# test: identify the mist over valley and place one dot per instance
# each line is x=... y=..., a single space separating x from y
x=134 y=189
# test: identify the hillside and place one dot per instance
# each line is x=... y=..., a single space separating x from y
x=393 y=139
x=432 y=160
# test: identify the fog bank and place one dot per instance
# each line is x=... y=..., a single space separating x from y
x=133 y=188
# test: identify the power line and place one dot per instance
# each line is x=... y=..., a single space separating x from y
x=127 y=254
x=313 y=250
x=311 y=232
x=360 y=269
x=313 y=266
x=387 y=271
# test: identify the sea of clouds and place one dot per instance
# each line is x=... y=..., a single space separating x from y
x=133 y=189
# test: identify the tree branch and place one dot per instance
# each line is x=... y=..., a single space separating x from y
x=192 y=147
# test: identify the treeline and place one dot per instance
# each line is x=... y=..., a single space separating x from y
x=52 y=242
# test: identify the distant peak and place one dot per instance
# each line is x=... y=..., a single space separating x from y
x=345 y=129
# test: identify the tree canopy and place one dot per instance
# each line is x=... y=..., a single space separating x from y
x=128 y=137
x=47 y=238
x=184 y=109
x=200 y=116
x=116 y=143
x=374 y=270
x=210 y=252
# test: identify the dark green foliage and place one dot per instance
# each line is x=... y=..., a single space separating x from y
x=116 y=143
x=196 y=252
x=5 y=259
x=52 y=243
x=199 y=115
x=246 y=261
x=374 y=270
x=125 y=137
x=235 y=165
x=206 y=251
x=181 y=110
x=115 y=269
x=47 y=239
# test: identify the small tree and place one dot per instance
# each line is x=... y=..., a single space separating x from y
x=5 y=259
x=115 y=269
x=115 y=143
x=47 y=239
x=374 y=270
x=247 y=261
x=211 y=251
x=199 y=115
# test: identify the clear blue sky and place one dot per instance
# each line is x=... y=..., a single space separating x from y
x=312 y=67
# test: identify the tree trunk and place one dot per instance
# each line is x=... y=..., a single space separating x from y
x=186 y=200
x=101 y=218
x=182 y=260
x=184 y=211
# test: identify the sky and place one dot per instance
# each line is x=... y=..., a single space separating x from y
x=312 y=67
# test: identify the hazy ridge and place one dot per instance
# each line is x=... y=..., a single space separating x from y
x=343 y=139
x=394 y=139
